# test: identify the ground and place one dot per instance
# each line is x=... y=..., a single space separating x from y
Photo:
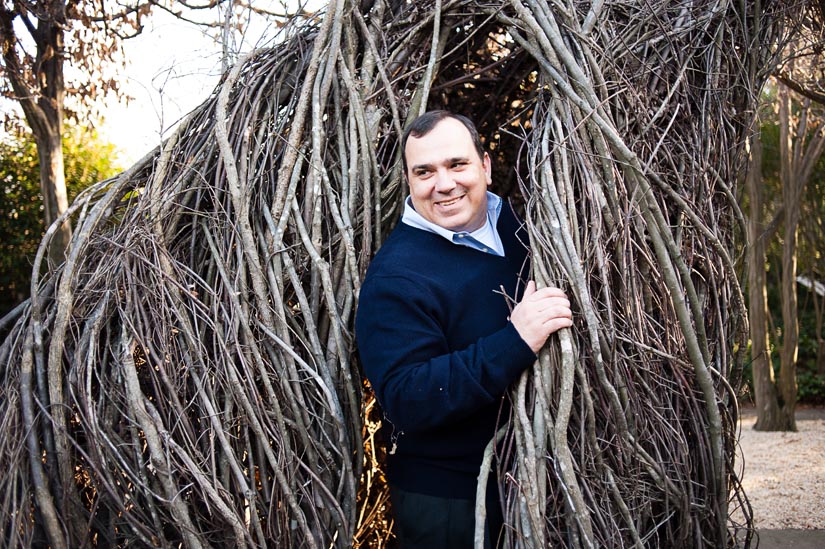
x=784 y=478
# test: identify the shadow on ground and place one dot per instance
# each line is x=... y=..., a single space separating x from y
x=791 y=539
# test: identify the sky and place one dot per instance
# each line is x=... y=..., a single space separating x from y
x=172 y=68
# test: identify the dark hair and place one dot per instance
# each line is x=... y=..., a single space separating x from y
x=424 y=124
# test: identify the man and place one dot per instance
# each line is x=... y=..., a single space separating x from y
x=436 y=335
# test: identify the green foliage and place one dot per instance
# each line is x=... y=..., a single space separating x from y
x=810 y=384
x=87 y=160
x=811 y=387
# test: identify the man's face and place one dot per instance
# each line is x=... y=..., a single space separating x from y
x=448 y=181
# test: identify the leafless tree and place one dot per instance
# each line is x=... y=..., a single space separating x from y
x=801 y=144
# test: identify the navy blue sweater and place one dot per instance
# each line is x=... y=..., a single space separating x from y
x=438 y=349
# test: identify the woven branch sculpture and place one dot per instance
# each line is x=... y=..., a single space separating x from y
x=188 y=376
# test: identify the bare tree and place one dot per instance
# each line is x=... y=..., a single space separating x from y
x=800 y=148
x=38 y=84
x=800 y=78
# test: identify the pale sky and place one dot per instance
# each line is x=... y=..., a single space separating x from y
x=172 y=69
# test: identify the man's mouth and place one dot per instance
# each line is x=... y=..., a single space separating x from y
x=450 y=202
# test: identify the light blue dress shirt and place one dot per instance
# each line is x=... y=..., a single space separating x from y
x=485 y=239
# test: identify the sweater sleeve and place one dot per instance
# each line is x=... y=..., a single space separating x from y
x=419 y=381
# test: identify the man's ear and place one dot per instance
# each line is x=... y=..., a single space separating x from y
x=488 y=168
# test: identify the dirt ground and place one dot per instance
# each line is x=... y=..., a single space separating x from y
x=784 y=473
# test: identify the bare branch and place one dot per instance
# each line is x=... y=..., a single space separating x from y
x=799 y=88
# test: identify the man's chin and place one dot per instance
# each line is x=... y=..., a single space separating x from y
x=451 y=224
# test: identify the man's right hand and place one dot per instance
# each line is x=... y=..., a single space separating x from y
x=541 y=313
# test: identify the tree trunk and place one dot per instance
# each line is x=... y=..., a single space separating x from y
x=49 y=135
x=790 y=330
x=791 y=194
x=41 y=99
x=53 y=188
x=768 y=417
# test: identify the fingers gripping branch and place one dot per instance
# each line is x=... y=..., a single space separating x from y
x=541 y=313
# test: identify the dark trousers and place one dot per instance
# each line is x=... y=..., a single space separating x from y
x=430 y=522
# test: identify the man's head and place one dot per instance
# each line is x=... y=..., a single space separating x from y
x=447 y=170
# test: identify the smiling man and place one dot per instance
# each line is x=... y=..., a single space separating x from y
x=436 y=334
x=448 y=176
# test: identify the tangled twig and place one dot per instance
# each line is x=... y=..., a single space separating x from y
x=189 y=376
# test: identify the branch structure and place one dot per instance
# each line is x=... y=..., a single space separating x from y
x=188 y=377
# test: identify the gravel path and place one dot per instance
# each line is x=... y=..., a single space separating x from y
x=784 y=475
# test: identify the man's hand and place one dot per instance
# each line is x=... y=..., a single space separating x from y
x=541 y=313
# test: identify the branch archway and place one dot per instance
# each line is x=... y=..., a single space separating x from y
x=189 y=374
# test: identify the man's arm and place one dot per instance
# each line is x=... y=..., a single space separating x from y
x=419 y=382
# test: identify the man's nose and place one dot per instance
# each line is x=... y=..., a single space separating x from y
x=444 y=182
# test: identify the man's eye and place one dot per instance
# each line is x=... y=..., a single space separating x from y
x=421 y=173
x=459 y=165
